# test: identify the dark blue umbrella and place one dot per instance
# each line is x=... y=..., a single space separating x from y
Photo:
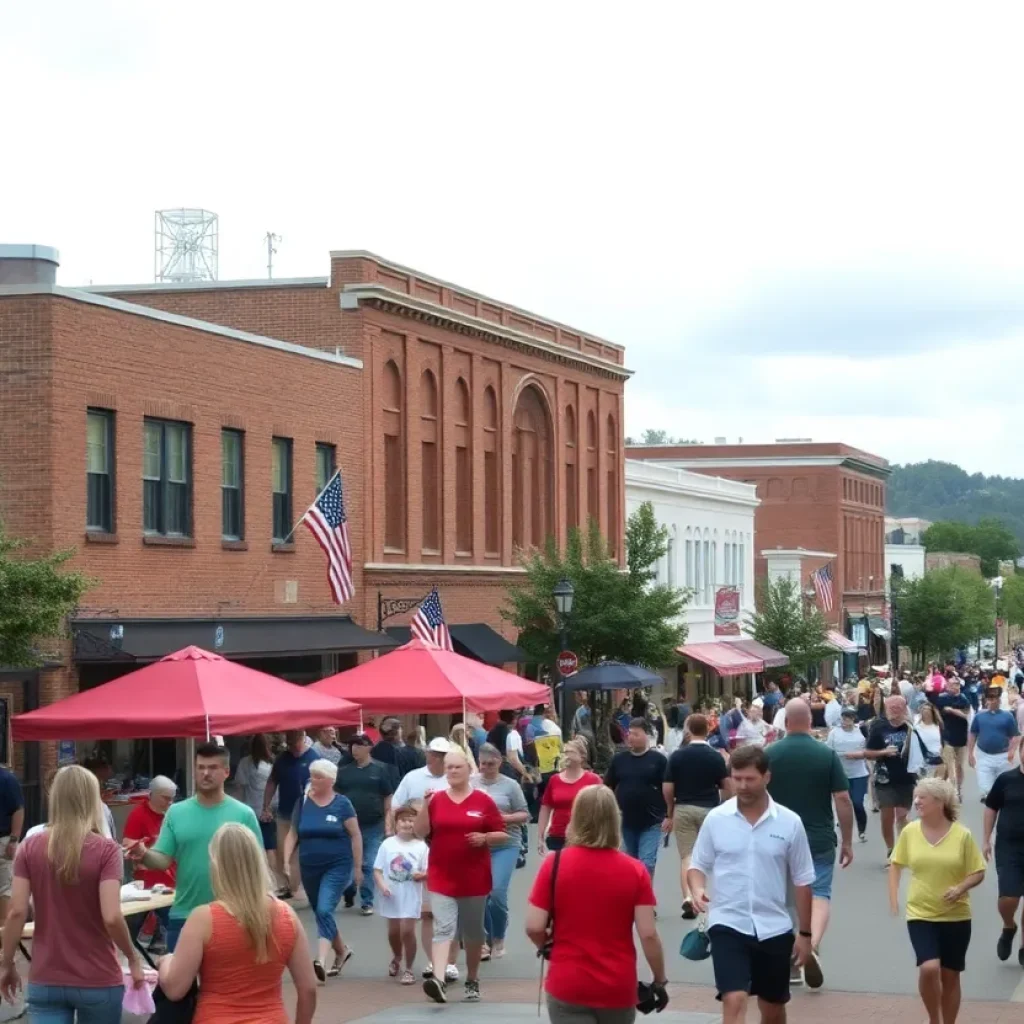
x=611 y=675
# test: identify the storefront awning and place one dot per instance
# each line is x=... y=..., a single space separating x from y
x=725 y=658
x=127 y=640
x=878 y=627
x=473 y=639
x=770 y=657
x=842 y=643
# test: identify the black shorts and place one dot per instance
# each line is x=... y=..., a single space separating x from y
x=1009 y=860
x=743 y=964
x=896 y=794
x=945 y=941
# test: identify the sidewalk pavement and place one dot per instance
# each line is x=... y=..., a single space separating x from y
x=379 y=1001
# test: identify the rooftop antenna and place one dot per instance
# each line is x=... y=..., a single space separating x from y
x=186 y=246
x=271 y=238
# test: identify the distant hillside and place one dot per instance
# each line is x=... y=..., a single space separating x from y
x=940 y=490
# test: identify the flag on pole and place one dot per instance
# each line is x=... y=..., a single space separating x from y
x=327 y=522
x=821 y=579
x=428 y=623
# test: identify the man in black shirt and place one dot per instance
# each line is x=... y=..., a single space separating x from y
x=956 y=713
x=636 y=775
x=894 y=785
x=1005 y=802
x=696 y=779
x=390 y=750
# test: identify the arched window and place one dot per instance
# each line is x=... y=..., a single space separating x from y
x=430 y=464
x=612 y=496
x=671 y=552
x=708 y=567
x=463 y=470
x=492 y=475
x=532 y=466
x=571 y=480
x=592 y=510
x=698 y=568
x=394 y=458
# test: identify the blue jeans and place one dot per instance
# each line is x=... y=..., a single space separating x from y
x=503 y=863
x=824 y=868
x=642 y=843
x=858 y=790
x=324 y=886
x=58 y=1004
x=373 y=836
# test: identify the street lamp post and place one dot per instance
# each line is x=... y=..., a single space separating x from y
x=564 y=594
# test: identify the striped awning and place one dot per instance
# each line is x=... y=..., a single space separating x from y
x=842 y=643
x=727 y=659
x=771 y=657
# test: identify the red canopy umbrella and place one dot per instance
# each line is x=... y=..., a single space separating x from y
x=422 y=678
x=189 y=694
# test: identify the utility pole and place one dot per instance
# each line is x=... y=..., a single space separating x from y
x=271 y=238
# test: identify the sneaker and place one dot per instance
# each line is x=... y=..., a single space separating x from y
x=428 y=970
x=451 y=973
x=862 y=838
x=498 y=949
x=339 y=962
x=472 y=991
x=812 y=971
x=318 y=970
x=485 y=954
x=366 y=911
x=408 y=978
x=689 y=914
x=1004 y=947
x=796 y=976
x=284 y=893
x=435 y=989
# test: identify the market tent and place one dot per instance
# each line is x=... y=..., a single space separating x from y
x=771 y=657
x=611 y=675
x=421 y=678
x=189 y=694
x=726 y=659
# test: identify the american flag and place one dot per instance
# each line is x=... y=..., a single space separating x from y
x=822 y=582
x=428 y=623
x=327 y=522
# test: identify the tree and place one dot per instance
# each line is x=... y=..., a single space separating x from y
x=658 y=437
x=942 y=610
x=36 y=596
x=782 y=624
x=1011 y=600
x=989 y=539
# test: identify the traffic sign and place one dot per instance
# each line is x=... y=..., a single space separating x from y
x=568 y=663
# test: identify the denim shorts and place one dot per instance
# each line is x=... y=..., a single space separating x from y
x=821 y=889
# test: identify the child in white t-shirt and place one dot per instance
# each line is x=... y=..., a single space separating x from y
x=399 y=871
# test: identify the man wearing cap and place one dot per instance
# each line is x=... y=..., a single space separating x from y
x=993 y=741
x=427 y=779
x=368 y=785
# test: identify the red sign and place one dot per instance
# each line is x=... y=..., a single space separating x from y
x=568 y=663
x=727 y=611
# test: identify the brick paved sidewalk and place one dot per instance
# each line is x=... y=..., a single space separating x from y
x=353 y=999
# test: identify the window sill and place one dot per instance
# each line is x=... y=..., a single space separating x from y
x=433 y=552
x=100 y=537
x=156 y=540
x=463 y=554
x=279 y=547
x=234 y=545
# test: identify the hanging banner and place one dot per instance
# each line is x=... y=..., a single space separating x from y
x=727 y=611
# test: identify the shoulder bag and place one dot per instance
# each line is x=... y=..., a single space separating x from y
x=931 y=761
x=545 y=951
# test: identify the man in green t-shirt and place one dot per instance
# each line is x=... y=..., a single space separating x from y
x=806 y=777
x=186 y=833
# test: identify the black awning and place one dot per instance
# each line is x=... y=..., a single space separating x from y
x=473 y=639
x=149 y=639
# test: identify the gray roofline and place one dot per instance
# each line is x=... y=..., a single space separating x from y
x=119 y=306
x=29 y=252
x=338 y=254
x=202 y=286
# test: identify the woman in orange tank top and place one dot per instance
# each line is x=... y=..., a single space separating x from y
x=240 y=945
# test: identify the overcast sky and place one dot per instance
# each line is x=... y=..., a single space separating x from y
x=800 y=219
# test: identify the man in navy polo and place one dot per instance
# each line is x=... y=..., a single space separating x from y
x=288 y=779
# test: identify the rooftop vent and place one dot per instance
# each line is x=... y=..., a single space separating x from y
x=28 y=264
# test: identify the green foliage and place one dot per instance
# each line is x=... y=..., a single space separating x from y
x=36 y=595
x=942 y=610
x=658 y=437
x=1011 y=600
x=785 y=625
x=942 y=491
x=988 y=538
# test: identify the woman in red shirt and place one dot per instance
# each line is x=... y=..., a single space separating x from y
x=592 y=975
x=559 y=794
x=462 y=823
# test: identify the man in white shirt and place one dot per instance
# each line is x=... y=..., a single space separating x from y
x=750 y=848
x=416 y=784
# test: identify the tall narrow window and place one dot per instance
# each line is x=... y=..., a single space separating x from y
x=612 y=497
x=430 y=464
x=671 y=553
x=532 y=471
x=743 y=566
x=707 y=571
x=167 y=478
x=326 y=464
x=492 y=475
x=689 y=563
x=592 y=506
x=726 y=563
x=99 y=470
x=698 y=573
x=714 y=567
x=394 y=460
x=281 y=478
x=571 y=479
x=232 y=506
x=463 y=470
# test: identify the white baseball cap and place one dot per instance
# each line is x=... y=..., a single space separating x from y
x=439 y=745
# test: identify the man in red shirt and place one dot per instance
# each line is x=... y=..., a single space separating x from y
x=144 y=823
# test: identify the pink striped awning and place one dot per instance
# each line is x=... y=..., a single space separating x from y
x=727 y=659
x=841 y=643
x=771 y=657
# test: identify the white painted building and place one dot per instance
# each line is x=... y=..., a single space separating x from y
x=909 y=557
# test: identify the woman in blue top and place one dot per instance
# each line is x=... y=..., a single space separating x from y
x=330 y=846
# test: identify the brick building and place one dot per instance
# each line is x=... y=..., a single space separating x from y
x=173 y=435
x=825 y=498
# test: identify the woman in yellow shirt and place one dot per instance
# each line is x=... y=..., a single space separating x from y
x=944 y=863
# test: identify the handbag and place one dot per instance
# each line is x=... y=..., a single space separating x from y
x=696 y=944
x=932 y=761
x=545 y=951
x=175 y=1011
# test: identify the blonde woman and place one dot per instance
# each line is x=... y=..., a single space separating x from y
x=559 y=794
x=457 y=737
x=239 y=945
x=592 y=975
x=945 y=864
x=72 y=873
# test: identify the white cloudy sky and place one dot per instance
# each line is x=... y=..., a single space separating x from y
x=802 y=219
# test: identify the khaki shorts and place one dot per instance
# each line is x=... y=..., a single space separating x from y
x=6 y=869
x=459 y=917
x=686 y=824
